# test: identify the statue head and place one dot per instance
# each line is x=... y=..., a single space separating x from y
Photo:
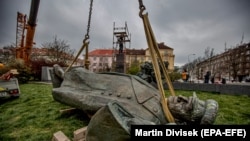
x=114 y=118
x=192 y=110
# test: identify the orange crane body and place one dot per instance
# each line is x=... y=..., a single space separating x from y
x=23 y=51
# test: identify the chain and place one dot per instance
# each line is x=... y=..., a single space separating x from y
x=141 y=7
x=85 y=43
x=141 y=4
x=90 y=13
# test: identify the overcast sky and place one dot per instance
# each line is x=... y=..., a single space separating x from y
x=187 y=26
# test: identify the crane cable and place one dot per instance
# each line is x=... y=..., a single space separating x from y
x=85 y=42
x=154 y=50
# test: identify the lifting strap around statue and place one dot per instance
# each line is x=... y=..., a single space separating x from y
x=156 y=60
x=85 y=42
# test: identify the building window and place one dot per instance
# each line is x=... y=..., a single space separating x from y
x=166 y=53
x=248 y=52
x=106 y=59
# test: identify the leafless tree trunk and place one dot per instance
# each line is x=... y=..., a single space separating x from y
x=209 y=53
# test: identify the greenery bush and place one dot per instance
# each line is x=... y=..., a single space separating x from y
x=174 y=76
x=134 y=68
x=23 y=70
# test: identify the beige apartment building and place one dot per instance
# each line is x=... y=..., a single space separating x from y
x=167 y=54
x=100 y=60
x=232 y=65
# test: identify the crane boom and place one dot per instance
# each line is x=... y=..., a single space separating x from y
x=33 y=12
x=24 y=51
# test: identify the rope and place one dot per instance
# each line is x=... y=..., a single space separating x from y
x=154 y=50
x=85 y=44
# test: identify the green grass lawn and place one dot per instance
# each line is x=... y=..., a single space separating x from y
x=35 y=116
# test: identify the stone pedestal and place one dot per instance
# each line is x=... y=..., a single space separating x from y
x=120 y=67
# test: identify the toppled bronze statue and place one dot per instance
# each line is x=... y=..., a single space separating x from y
x=117 y=100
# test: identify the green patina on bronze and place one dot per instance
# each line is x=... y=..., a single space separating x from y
x=128 y=99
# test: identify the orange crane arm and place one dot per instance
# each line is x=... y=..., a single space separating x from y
x=31 y=29
x=25 y=51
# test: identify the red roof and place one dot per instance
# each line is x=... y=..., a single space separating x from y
x=100 y=52
x=162 y=46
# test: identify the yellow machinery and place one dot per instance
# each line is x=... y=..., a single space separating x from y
x=156 y=57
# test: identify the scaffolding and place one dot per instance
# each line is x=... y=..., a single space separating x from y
x=121 y=37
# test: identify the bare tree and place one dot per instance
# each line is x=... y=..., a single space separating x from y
x=193 y=67
x=242 y=39
x=59 y=50
x=209 y=53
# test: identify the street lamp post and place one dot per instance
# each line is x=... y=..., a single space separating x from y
x=189 y=67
